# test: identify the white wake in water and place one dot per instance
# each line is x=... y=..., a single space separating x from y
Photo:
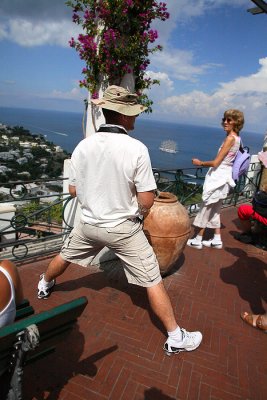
x=49 y=130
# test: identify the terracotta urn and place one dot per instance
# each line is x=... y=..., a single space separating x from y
x=167 y=227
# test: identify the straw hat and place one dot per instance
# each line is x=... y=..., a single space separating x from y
x=119 y=99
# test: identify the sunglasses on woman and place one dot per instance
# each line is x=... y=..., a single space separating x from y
x=228 y=120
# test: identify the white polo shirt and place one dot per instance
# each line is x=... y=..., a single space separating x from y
x=107 y=170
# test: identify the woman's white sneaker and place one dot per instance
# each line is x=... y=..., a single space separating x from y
x=197 y=244
x=215 y=244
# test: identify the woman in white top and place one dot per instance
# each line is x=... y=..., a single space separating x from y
x=218 y=182
x=11 y=292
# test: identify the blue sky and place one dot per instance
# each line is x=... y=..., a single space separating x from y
x=214 y=58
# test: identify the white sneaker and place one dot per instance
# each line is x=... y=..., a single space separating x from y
x=190 y=341
x=212 y=243
x=44 y=290
x=194 y=243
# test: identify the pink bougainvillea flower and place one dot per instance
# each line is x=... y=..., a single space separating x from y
x=117 y=39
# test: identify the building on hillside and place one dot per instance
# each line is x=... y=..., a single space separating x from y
x=4 y=169
x=5 y=155
x=28 y=155
x=22 y=160
x=26 y=145
x=24 y=173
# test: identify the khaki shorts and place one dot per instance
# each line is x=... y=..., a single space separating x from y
x=128 y=242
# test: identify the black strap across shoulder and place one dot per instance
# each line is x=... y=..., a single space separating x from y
x=112 y=129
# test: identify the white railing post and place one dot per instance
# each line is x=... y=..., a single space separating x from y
x=7 y=212
x=263 y=182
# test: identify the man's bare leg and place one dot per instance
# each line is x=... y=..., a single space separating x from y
x=56 y=268
x=178 y=339
x=47 y=280
x=161 y=305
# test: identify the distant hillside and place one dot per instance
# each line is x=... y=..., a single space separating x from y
x=24 y=156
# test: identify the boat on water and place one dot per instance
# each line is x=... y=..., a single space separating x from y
x=169 y=146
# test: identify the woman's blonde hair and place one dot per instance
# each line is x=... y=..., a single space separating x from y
x=238 y=118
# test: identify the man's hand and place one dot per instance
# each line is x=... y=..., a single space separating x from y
x=72 y=190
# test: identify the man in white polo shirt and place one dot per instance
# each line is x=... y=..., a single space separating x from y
x=111 y=176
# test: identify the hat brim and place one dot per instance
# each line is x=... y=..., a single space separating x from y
x=125 y=109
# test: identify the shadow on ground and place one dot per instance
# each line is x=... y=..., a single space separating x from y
x=248 y=274
x=156 y=394
x=54 y=371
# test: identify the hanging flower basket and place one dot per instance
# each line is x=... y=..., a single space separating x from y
x=117 y=39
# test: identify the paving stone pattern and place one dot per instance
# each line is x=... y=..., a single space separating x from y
x=116 y=351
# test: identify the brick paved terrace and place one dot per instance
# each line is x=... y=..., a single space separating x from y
x=116 y=351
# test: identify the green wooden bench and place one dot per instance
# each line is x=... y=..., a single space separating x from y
x=23 y=310
x=32 y=338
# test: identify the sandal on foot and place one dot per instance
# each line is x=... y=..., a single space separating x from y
x=256 y=322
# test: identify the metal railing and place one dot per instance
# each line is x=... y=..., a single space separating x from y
x=187 y=185
x=35 y=225
x=32 y=225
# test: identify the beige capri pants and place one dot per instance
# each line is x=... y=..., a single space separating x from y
x=128 y=242
x=209 y=216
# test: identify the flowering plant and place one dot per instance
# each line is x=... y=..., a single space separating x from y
x=117 y=40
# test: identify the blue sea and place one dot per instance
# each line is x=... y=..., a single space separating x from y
x=65 y=130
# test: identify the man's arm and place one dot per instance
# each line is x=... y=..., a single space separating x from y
x=228 y=143
x=72 y=190
x=145 y=201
